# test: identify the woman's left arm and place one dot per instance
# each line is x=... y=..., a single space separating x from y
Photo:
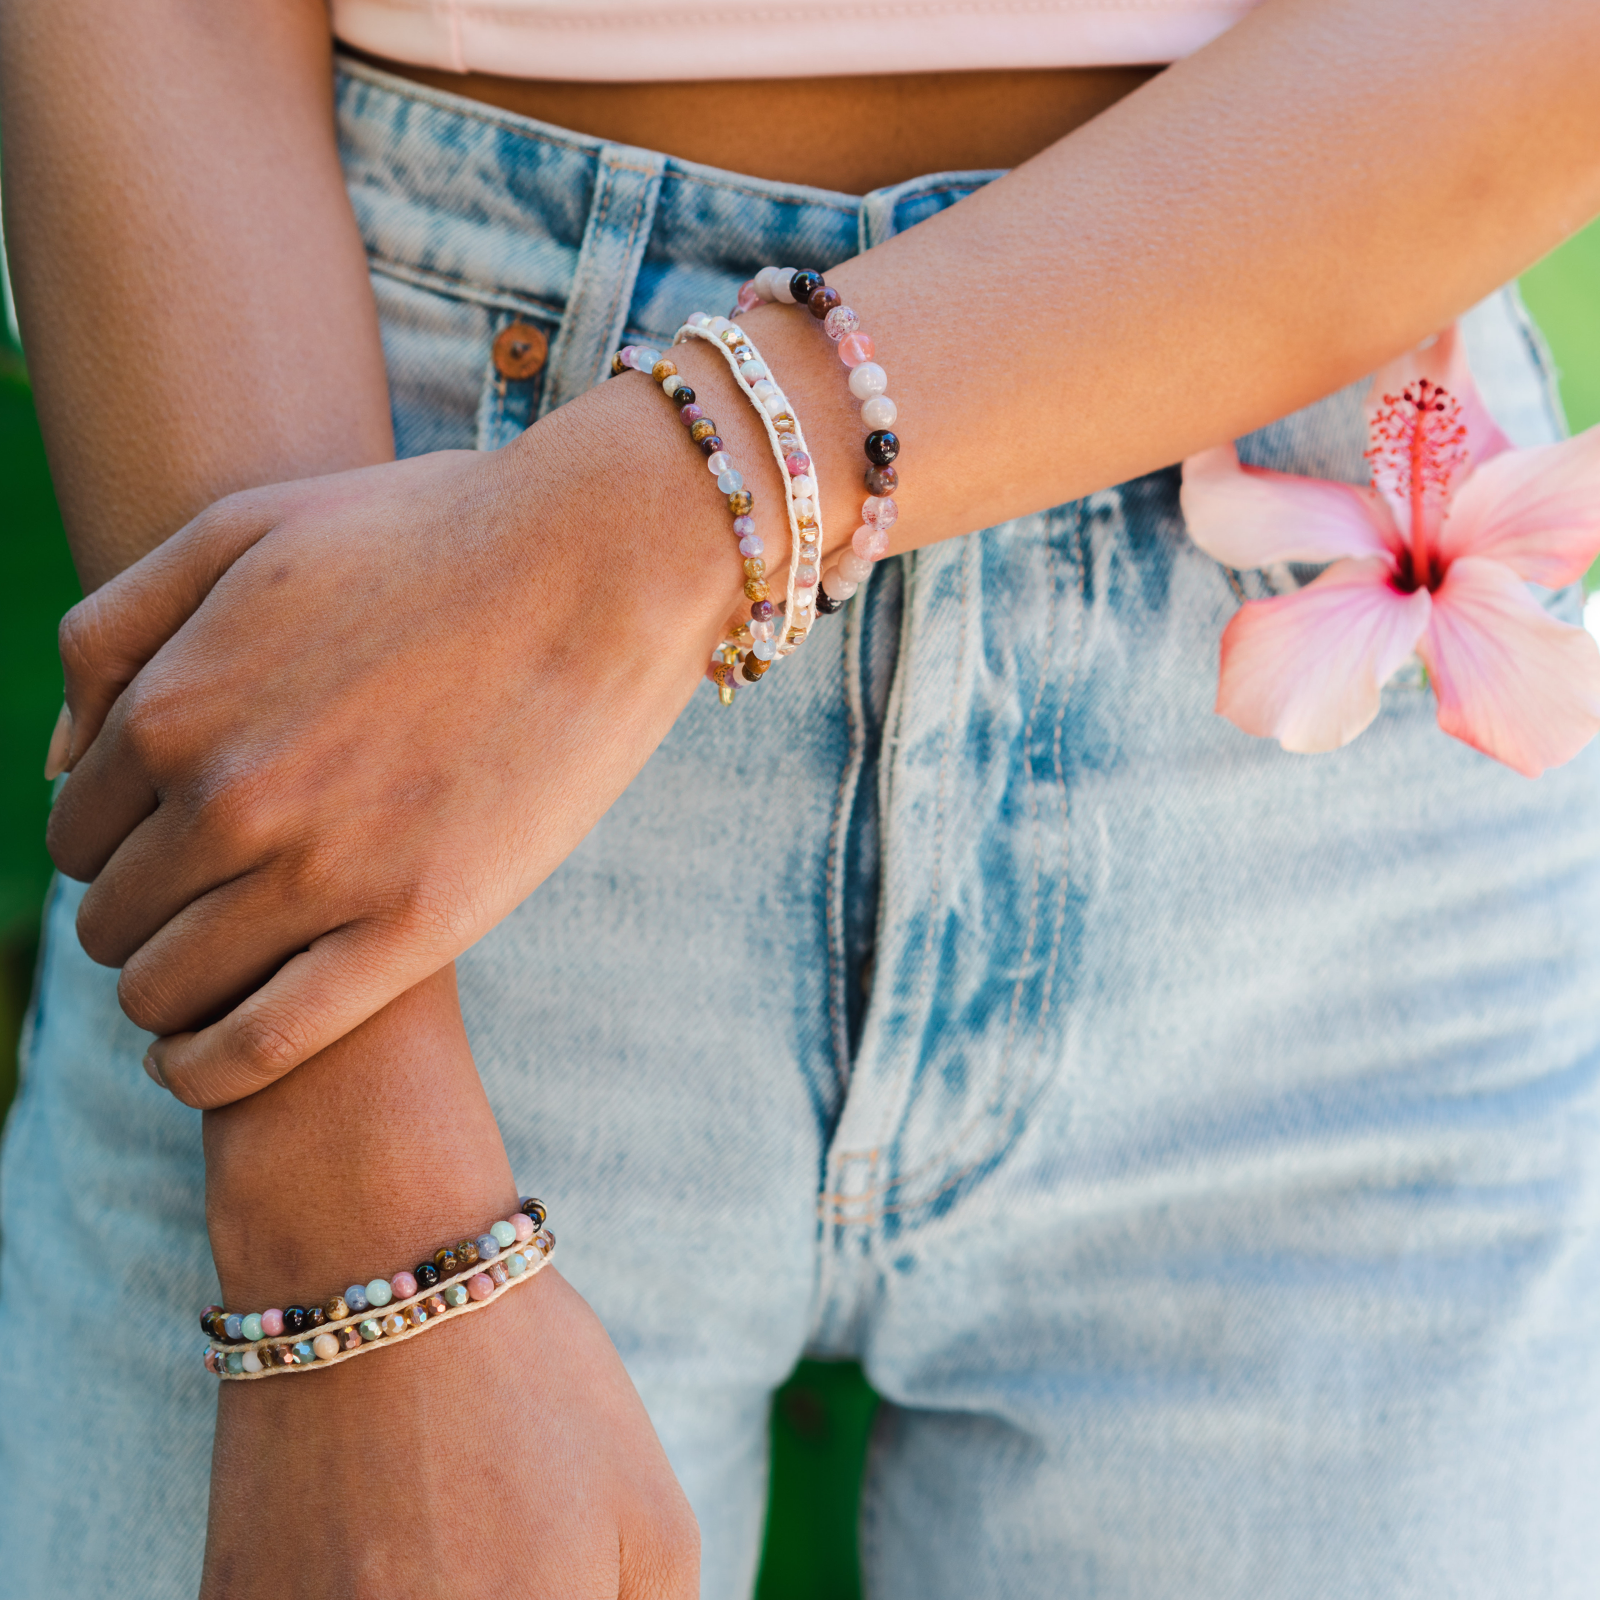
x=1324 y=186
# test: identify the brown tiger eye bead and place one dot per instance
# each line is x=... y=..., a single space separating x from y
x=336 y=1310
x=664 y=369
x=883 y=480
x=756 y=589
x=740 y=502
x=754 y=667
x=703 y=428
x=530 y=1207
x=445 y=1261
x=821 y=301
x=466 y=1254
x=315 y=1317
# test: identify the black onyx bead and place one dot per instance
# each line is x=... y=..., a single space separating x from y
x=683 y=395
x=826 y=604
x=804 y=284
x=294 y=1319
x=427 y=1275
x=882 y=447
x=533 y=1208
x=315 y=1317
x=711 y=444
x=882 y=480
x=821 y=301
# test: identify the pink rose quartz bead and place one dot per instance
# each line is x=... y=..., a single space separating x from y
x=840 y=323
x=749 y=296
x=880 y=511
x=480 y=1286
x=838 y=586
x=271 y=1324
x=869 y=542
x=626 y=354
x=855 y=348
x=522 y=1226
x=798 y=463
x=404 y=1285
x=852 y=568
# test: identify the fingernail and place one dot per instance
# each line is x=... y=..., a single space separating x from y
x=153 y=1067
x=55 y=762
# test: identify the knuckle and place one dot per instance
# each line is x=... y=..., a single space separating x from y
x=236 y=808
x=265 y=1044
x=146 y=724
x=150 y=991
x=81 y=638
x=98 y=934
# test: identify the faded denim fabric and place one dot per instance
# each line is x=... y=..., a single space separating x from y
x=1197 y=1143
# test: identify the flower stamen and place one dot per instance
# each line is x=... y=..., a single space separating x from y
x=1417 y=446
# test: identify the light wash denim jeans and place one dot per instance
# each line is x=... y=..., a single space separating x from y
x=1196 y=1143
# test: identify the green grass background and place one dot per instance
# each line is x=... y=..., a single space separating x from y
x=822 y=1417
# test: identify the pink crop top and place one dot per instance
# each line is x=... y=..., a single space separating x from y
x=651 y=40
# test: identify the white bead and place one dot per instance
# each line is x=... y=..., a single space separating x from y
x=765 y=285
x=879 y=412
x=720 y=325
x=852 y=568
x=252 y=1361
x=803 y=484
x=867 y=380
x=837 y=585
x=805 y=510
x=781 y=286
x=672 y=386
x=718 y=462
x=775 y=405
x=697 y=319
x=754 y=371
x=765 y=390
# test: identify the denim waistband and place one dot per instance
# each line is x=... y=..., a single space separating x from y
x=600 y=241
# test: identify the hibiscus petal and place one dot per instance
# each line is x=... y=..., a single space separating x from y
x=1306 y=668
x=1536 y=511
x=1511 y=680
x=1250 y=517
x=1444 y=361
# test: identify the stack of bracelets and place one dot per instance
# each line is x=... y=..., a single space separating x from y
x=459 y=1278
x=749 y=648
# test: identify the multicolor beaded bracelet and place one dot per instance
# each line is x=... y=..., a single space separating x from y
x=802 y=501
x=754 y=639
x=868 y=381
x=459 y=1277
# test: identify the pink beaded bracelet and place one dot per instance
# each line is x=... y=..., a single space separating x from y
x=868 y=383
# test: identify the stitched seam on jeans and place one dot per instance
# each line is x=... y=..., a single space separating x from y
x=838 y=1201
x=465 y=289
x=849 y=776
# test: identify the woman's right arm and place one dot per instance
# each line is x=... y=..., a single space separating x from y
x=198 y=319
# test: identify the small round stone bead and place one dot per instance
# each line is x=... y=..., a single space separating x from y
x=879 y=412
x=207 y=1315
x=683 y=395
x=776 y=406
x=852 y=568
x=805 y=510
x=880 y=511
x=805 y=576
x=749 y=296
x=718 y=461
x=315 y=1317
x=663 y=369
x=271 y=1323
x=488 y=1246
x=671 y=387
x=867 y=380
x=741 y=502
x=765 y=282
x=761 y=611
x=250 y=1327
x=731 y=481
x=426 y=1274
x=404 y=1285
x=466 y=1254
x=303 y=1352
x=804 y=486
x=782 y=293
x=435 y=1304
x=379 y=1294
x=856 y=350
x=826 y=604
x=349 y=1338
x=446 y=1263
x=756 y=589
x=882 y=480
x=755 y=567
x=232 y=1325
x=645 y=359
x=753 y=371
x=236 y=1362
x=881 y=447
x=455 y=1294
x=840 y=323
x=213 y=1362
x=745 y=528
x=251 y=1361
x=803 y=284
x=701 y=428
x=356 y=1298
x=497 y=1272
x=530 y=1207
x=753 y=667
x=325 y=1346
x=522 y=1228
x=869 y=542
x=504 y=1233
x=392 y=1324
x=337 y=1308
x=749 y=546
x=712 y=445
x=480 y=1286
x=690 y=414
x=516 y=1263
x=294 y=1319
x=821 y=301
x=799 y=464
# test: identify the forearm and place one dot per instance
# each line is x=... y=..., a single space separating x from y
x=1323 y=187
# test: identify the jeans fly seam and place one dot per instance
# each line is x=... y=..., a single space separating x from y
x=849 y=780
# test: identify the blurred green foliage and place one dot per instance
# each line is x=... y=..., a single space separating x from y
x=823 y=1415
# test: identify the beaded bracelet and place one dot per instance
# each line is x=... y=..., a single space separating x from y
x=251 y=1343
x=868 y=381
x=802 y=501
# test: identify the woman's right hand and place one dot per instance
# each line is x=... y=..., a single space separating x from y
x=506 y=1454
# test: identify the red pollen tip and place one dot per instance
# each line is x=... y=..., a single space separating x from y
x=1418 y=442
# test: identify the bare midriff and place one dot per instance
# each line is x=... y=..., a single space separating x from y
x=850 y=134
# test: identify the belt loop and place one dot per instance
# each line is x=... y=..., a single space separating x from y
x=621 y=215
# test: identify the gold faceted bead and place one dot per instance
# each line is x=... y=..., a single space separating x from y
x=703 y=429
x=783 y=420
x=740 y=503
x=725 y=693
x=755 y=567
x=756 y=589
x=662 y=370
x=796 y=636
x=336 y=1309
x=392 y=1324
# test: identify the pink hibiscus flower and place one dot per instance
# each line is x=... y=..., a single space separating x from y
x=1434 y=559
